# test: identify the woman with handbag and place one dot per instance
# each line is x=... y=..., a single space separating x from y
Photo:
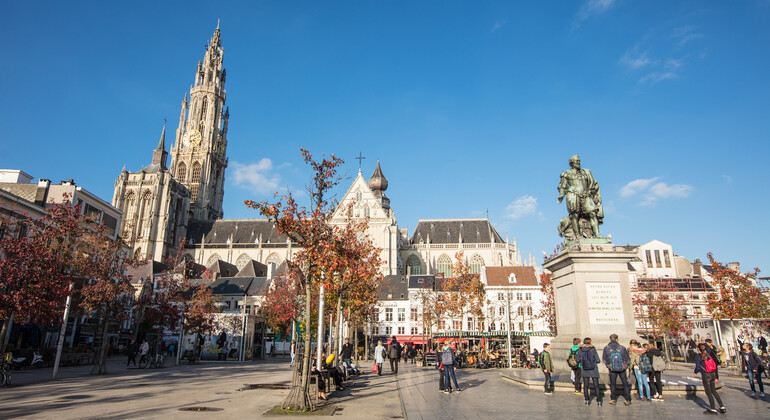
x=379 y=357
x=706 y=366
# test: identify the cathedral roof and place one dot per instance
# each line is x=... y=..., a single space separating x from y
x=451 y=231
x=242 y=231
x=223 y=268
x=253 y=269
x=152 y=168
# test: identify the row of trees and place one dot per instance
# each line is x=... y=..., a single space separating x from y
x=67 y=256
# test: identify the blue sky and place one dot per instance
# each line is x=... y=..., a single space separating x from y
x=473 y=108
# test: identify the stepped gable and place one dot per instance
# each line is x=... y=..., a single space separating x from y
x=499 y=276
x=253 y=269
x=242 y=231
x=448 y=231
x=223 y=269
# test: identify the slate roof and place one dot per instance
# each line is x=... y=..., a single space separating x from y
x=498 y=276
x=26 y=192
x=259 y=286
x=253 y=269
x=145 y=270
x=231 y=285
x=223 y=269
x=448 y=231
x=428 y=281
x=685 y=284
x=243 y=231
x=395 y=286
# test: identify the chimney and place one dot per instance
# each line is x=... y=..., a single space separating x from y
x=41 y=195
x=697 y=268
x=270 y=270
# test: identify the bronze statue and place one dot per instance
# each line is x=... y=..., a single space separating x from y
x=584 y=203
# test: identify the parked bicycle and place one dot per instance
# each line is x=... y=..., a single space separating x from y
x=5 y=369
x=157 y=361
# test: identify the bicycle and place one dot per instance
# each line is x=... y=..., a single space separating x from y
x=144 y=361
x=5 y=369
x=159 y=361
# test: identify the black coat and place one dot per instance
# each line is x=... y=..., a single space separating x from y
x=394 y=350
x=755 y=363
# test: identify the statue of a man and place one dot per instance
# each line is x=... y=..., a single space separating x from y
x=584 y=201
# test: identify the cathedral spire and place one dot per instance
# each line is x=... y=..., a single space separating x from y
x=159 y=155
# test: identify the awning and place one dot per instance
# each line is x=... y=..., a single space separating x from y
x=417 y=339
x=491 y=334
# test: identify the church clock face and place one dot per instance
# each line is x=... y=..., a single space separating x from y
x=192 y=138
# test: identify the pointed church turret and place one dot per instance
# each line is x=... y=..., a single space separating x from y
x=378 y=184
x=159 y=155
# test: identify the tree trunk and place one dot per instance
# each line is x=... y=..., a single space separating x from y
x=100 y=367
x=338 y=331
x=667 y=351
x=735 y=342
x=4 y=333
x=367 y=337
x=355 y=345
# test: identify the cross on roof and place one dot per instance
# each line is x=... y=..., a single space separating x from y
x=360 y=158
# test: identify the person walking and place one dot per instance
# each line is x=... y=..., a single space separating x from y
x=132 y=349
x=292 y=352
x=754 y=368
x=221 y=343
x=640 y=366
x=448 y=360
x=658 y=366
x=615 y=357
x=573 y=361
x=706 y=366
x=546 y=364
x=379 y=356
x=346 y=353
x=394 y=354
x=144 y=349
x=589 y=365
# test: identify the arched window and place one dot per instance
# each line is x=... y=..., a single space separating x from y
x=144 y=212
x=476 y=263
x=274 y=259
x=444 y=265
x=195 y=180
x=242 y=261
x=181 y=172
x=521 y=310
x=366 y=211
x=204 y=108
x=358 y=196
x=529 y=310
x=212 y=259
x=415 y=267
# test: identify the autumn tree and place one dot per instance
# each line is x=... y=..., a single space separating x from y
x=661 y=309
x=428 y=299
x=197 y=313
x=737 y=295
x=309 y=228
x=548 y=302
x=282 y=304
x=463 y=293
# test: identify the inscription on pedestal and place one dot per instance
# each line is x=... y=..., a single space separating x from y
x=605 y=304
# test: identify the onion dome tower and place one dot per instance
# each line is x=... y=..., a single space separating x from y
x=378 y=184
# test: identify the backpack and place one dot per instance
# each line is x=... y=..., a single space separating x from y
x=644 y=364
x=540 y=360
x=587 y=360
x=616 y=361
x=448 y=357
x=710 y=365
x=658 y=364
x=572 y=359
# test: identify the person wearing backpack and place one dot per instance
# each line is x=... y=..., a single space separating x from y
x=440 y=369
x=640 y=365
x=546 y=364
x=615 y=357
x=449 y=361
x=706 y=366
x=658 y=366
x=589 y=365
x=754 y=368
x=573 y=361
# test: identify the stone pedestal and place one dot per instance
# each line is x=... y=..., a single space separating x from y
x=593 y=297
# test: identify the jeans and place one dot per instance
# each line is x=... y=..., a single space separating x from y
x=292 y=360
x=642 y=383
x=441 y=380
x=758 y=377
x=613 y=382
x=656 y=385
x=587 y=389
x=578 y=380
x=709 y=387
x=449 y=370
x=394 y=366
x=548 y=384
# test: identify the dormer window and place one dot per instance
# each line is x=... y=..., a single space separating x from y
x=403 y=279
x=512 y=278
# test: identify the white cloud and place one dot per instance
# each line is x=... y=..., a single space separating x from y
x=634 y=61
x=727 y=178
x=258 y=177
x=525 y=205
x=635 y=186
x=594 y=7
x=685 y=34
x=498 y=25
x=651 y=191
x=673 y=64
x=658 y=76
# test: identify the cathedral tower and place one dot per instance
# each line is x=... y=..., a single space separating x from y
x=198 y=158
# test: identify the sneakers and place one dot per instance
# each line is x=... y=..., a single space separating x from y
x=762 y=395
x=613 y=402
x=446 y=391
x=548 y=392
x=722 y=410
x=753 y=394
x=626 y=402
x=599 y=403
x=710 y=411
x=589 y=403
x=578 y=393
x=459 y=390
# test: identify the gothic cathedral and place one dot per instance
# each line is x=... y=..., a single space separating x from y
x=159 y=201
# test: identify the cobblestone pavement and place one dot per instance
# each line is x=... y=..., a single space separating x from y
x=486 y=395
x=161 y=393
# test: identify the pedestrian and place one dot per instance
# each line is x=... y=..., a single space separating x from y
x=221 y=342
x=379 y=356
x=615 y=357
x=346 y=353
x=132 y=349
x=754 y=368
x=589 y=366
x=442 y=372
x=546 y=364
x=766 y=363
x=321 y=383
x=762 y=344
x=171 y=348
x=448 y=360
x=640 y=366
x=706 y=366
x=293 y=352
x=658 y=366
x=713 y=353
x=413 y=353
x=573 y=361
x=144 y=349
x=394 y=354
